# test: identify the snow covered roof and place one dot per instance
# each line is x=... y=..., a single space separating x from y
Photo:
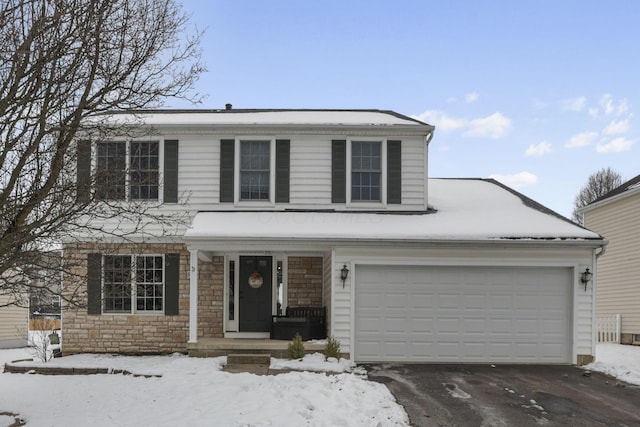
x=463 y=210
x=268 y=117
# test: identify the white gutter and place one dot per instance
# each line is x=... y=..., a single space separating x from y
x=381 y=241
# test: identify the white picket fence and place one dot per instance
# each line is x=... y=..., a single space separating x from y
x=609 y=329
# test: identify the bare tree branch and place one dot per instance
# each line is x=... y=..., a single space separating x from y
x=63 y=64
x=598 y=184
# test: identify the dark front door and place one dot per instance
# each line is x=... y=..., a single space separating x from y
x=255 y=293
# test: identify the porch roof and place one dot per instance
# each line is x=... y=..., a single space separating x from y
x=462 y=210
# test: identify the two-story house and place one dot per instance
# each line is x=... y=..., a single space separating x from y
x=328 y=208
x=615 y=216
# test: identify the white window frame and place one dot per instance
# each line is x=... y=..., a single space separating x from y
x=133 y=296
x=127 y=198
x=272 y=171
x=383 y=174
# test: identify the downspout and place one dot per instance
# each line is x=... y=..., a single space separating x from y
x=594 y=321
x=427 y=139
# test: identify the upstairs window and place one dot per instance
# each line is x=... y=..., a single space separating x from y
x=255 y=170
x=128 y=170
x=145 y=166
x=366 y=171
x=111 y=166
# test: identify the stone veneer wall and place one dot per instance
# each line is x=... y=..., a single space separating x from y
x=122 y=333
x=304 y=281
x=211 y=298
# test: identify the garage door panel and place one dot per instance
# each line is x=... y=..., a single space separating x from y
x=468 y=314
x=498 y=301
x=448 y=301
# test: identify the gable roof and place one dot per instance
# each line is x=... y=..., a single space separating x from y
x=625 y=189
x=462 y=210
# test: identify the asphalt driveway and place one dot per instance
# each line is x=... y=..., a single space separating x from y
x=509 y=395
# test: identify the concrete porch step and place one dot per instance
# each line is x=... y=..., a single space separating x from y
x=248 y=359
x=254 y=363
x=214 y=347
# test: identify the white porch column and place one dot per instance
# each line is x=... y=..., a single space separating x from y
x=193 y=296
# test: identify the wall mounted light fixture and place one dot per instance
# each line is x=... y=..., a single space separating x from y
x=586 y=277
x=344 y=272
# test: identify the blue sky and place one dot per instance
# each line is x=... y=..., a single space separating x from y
x=536 y=94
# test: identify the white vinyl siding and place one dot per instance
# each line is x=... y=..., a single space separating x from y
x=310 y=171
x=618 y=275
x=310 y=179
x=199 y=171
x=414 y=174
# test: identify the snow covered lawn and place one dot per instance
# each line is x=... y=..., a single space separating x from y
x=620 y=361
x=194 y=392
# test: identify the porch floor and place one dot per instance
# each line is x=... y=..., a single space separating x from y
x=214 y=347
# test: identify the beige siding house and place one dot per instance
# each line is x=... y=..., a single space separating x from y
x=616 y=216
x=330 y=208
x=14 y=324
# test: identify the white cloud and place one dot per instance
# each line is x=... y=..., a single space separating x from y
x=574 y=104
x=616 y=127
x=612 y=107
x=538 y=150
x=471 y=97
x=606 y=103
x=615 y=146
x=594 y=112
x=518 y=180
x=581 y=140
x=623 y=107
x=494 y=126
x=441 y=121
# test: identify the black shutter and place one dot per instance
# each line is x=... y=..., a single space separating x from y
x=94 y=283
x=282 y=170
x=172 y=284
x=171 y=171
x=226 y=170
x=83 y=171
x=394 y=172
x=338 y=171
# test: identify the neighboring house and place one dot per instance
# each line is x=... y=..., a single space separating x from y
x=44 y=298
x=615 y=216
x=14 y=323
x=14 y=314
x=280 y=202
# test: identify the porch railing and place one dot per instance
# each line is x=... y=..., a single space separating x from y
x=609 y=329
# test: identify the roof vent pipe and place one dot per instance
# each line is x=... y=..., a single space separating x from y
x=228 y=106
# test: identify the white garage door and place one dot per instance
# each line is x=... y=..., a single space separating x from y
x=462 y=314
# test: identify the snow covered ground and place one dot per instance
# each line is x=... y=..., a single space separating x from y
x=620 y=361
x=196 y=392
